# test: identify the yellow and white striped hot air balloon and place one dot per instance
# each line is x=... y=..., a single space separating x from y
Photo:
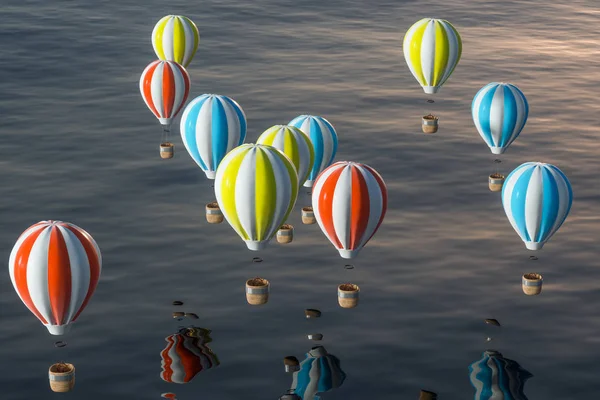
x=175 y=38
x=432 y=49
x=293 y=143
x=256 y=188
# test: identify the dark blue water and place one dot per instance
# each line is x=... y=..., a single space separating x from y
x=80 y=146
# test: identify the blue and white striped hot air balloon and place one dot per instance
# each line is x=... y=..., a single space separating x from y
x=324 y=140
x=537 y=198
x=496 y=377
x=211 y=126
x=499 y=112
x=319 y=372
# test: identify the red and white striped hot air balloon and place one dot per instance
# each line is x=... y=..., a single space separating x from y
x=55 y=267
x=165 y=86
x=349 y=201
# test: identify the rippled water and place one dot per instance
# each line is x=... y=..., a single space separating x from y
x=80 y=146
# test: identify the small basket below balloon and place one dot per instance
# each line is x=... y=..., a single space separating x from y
x=348 y=295
x=308 y=216
x=166 y=150
x=285 y=234
x=257 y=291
x=430 y=123
x=62 y=377
x=532 y=283
x=213 y=213
x=495 y=182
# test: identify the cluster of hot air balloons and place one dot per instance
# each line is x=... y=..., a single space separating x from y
x=257 y=185
x=537 y=197
x=55 y=266
x=165 y=83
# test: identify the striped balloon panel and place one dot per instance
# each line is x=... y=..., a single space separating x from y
x=537 y=198
x=256 y=188
x=164 y=86
x=184 y=357
x=432 y=49
x=293 y=143
x=317 y=375
x=324 y=140
x=175 y=38
x=55 y=267
x=349 y=201
x=499 y=112
x=495 y=377
x=211 y=126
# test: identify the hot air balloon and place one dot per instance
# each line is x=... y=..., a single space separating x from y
x=55 y=267
x=256 y=188
x=499 y=112
x=432 y=49
x=293 y=143
x=496 y=377
x=186 y=355
x=324 y=140
x=211 y=126
x=537 y=198
x=349 y=201
x=319 y=372
x=165 y=86
x=175 y=38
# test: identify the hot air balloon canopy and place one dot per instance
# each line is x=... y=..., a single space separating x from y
x=175 y=38
x=496 y=377
x=164 y=86
x=54 y=267
x=319 y=372
x=324 y=140
x=349 y=201
x=211 y=126
x=499 y=112
x=293 y=143
x=537 y=198
x=432 y=48
x=256 y=187
x=187 y=354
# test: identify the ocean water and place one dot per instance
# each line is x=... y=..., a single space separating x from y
x=80 y=145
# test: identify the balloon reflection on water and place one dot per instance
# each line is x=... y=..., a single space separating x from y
x=496 y=377
x=319 y=372
x=186 y=354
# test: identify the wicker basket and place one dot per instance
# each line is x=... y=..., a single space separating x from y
x=308 y=216
x=257 y=291
x=495 y=182
x=62 y=377
x=430 y=123
x=213 y=213
x=532 y=283
x=285 y=234
x=348 y=295
x=166 y=150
